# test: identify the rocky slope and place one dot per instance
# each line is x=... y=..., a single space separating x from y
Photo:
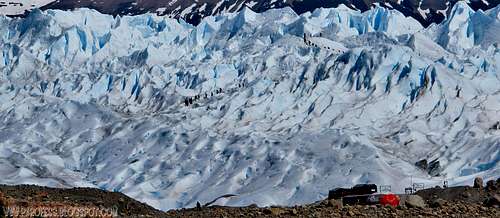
x=425 y=11
x=31 y=197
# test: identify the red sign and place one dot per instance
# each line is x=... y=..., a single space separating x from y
x=389 y=199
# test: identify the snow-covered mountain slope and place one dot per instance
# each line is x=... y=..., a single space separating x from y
x=92 y=100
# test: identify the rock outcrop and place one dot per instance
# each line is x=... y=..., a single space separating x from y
x=415 y=201
x=433 y=168
x=478 y=182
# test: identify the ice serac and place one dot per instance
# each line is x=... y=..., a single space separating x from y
x=466 y=28
x=394 y=22
x=287 y=106
x=343 y=22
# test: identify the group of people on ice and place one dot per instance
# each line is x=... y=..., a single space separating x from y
x=308 y=42
x=191 y=100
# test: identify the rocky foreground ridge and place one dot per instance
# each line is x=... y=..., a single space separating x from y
x=462 y=201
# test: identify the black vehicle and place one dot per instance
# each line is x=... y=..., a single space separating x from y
x=364 y=189
x=360 y=189
x=338 y=193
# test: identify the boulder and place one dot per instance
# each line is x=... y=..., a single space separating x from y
x=253 y=206
x=415 y=201
x=478 y=182
x=493 y=201
x=334 y=203
x=437 y=203
x=274 y=211
x=466 y=194
x=491 y=185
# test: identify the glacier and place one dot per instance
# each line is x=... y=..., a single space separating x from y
x=88 y=99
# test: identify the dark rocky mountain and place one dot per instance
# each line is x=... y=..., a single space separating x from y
x=425 y=11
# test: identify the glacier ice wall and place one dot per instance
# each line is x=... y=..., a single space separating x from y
x=92 y=100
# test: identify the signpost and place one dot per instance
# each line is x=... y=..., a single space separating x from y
x=408 y=191
x=418 y=186
x=385 y=188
